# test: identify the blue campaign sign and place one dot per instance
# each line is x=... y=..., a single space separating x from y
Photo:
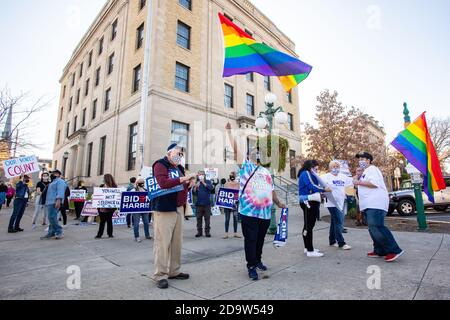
x=282 y=229
x=226 y=198
x=154 y=190
x=190 y=200
x=134 y=202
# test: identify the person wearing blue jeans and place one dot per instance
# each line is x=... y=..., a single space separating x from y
x=374 y=203
x=336 y=228
x=20 y=203
x=56 y=192
x=146 y=221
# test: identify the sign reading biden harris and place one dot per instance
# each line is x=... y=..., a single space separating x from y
x=155 y=191
x=17 y=167
x=135 y=202
x=226 y=198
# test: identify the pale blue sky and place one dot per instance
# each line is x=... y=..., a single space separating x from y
x=375 y=53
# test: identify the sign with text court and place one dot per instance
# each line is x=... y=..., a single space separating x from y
x=226 y=198
x=19 y=166
x=106 y=197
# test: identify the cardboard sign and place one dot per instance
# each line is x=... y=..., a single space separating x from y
x=88 y=210
x=78 y=195
x=282 y=229
x=107 y=197
x=190 y=199
x=226 y=198
x=211 y=173
x=119 y=218
x=154 y=190
x=135 y=202
x=17 y=167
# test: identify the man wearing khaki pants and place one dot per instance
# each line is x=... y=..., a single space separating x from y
x=169 y=216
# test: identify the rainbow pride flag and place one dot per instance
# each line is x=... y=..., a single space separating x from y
x=416 y=145
x=244 y=55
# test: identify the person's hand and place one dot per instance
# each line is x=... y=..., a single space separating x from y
x=327 y=189
x=58 y=204
x=282 y=205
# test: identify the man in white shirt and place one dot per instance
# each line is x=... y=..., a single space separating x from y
x=335 y=203
x=374 y=203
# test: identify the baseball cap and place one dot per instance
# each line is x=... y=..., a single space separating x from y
x=365 y=155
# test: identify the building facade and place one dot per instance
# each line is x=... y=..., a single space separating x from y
x=97 y=127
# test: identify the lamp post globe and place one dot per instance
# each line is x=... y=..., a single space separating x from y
x=281 y=118
x=270 y=98
x=261 y=123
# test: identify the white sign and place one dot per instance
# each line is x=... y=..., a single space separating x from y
x=146 y=172
x=17 y=167
x=211 y=173
x=107 y=197
x=77 y=195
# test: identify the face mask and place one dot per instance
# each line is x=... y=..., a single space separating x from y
x=141 y=185
x=52 y=177
x=26 y=181
x=183 y=162
x=176 y=160
x=314 y=170
x=232 y=178
x=363 y=164
x=201 y=178
x=335 y=171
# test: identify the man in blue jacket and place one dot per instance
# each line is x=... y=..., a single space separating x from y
x=20 y=203
x=203 y=190
x=56 y=191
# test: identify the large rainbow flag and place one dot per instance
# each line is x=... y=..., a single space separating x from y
x=244 y=55
x=416 y=145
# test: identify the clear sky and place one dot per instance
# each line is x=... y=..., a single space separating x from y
x=376 y=53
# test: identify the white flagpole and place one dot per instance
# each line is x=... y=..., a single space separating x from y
x=145 y=83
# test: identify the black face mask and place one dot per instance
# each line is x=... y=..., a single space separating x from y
x=141 y=185
x=26 y=180
x=52 y=177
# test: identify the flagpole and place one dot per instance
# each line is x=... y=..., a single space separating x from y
x=145 y=106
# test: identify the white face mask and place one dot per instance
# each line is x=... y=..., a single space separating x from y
x=201 y=178
x=335 y=171
x=183 y=162
x=363 y=164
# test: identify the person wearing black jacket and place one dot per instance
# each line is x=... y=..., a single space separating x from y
x=79 y=205
x=39 y=205
x=106 y=214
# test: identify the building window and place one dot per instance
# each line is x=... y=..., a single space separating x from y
x=111 y=63
x=94 y=109
x=78 y=96
x=100 y=46
x=68 y=129
x=182 y=77
x=184 y=35
x=289 y=96
x=114 y=30
x=229 y=96
x=250 y=105
x=142 y=4
x=86 y=89
x=186 y=3
x=107 y=99
x=90 y=59
x=101 y=164
x=291 y=121
x=64 y=92
x=292 y=164
x=73 y=80
x=70 y=103
x=83 y=118
x=136 y=78
x=58 y=137
x=97 y=76
x=250 y=77
x=81 y=69
x=267 y=83
x=89 y=159
x=140 y=36
x=75 y=124
x=61 y=112
x=132 y=146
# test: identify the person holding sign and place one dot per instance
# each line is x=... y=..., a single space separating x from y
x=256 y=198
x=20 y=203
x=234 y=185
x=146 y=216
x=169 y=216
x=203 y=189
x=106 y=214
x=79 y=203
x=39 y=205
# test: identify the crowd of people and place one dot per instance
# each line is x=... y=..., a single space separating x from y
x=253 y=209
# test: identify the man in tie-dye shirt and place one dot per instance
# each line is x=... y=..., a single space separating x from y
x=256 y=198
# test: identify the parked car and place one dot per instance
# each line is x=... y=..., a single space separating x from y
x=404 y=200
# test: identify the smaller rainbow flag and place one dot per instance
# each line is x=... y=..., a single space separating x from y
x=244 y=55
x=416 y=145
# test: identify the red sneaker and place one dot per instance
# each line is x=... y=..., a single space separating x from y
x=392 y=256
x=373 y=255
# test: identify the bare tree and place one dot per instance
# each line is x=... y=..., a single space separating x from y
x=440 y=133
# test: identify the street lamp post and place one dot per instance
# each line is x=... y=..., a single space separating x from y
x=417 y=181
x=265 y=120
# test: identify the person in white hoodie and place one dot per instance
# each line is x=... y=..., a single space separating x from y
x=335 y=203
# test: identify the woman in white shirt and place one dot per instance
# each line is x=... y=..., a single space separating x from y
x=335 y=201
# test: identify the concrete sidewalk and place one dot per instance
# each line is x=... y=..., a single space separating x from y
x=121 y=268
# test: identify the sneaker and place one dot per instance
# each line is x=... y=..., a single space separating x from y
x=59 y=237
x=12 y=231
x=253 y=274
x=19 y=230
x=314 y=254
x=46 y=229
x=33 y=226
x=198 y=235
x=162 y=284
x=373 y=255
x=306 y=250
x=98 y=237
x=64 y=226
x=149 y=238
x=46 y=238
x=138 y=240
x=208 y=235
x=237 y=235
x=334 y=245
x=225 y=236
x=391 y=257
x=261 y=267
x=345 y=247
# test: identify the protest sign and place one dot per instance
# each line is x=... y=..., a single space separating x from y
x=88 y=210
x=226 y=198
x=190 y=199
x=134 y=202
x=154 y=190
x=78 y=195
x=211 y=173
x=106 y=197
x=282 y=229
x=119 y=218
x=19 y=166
